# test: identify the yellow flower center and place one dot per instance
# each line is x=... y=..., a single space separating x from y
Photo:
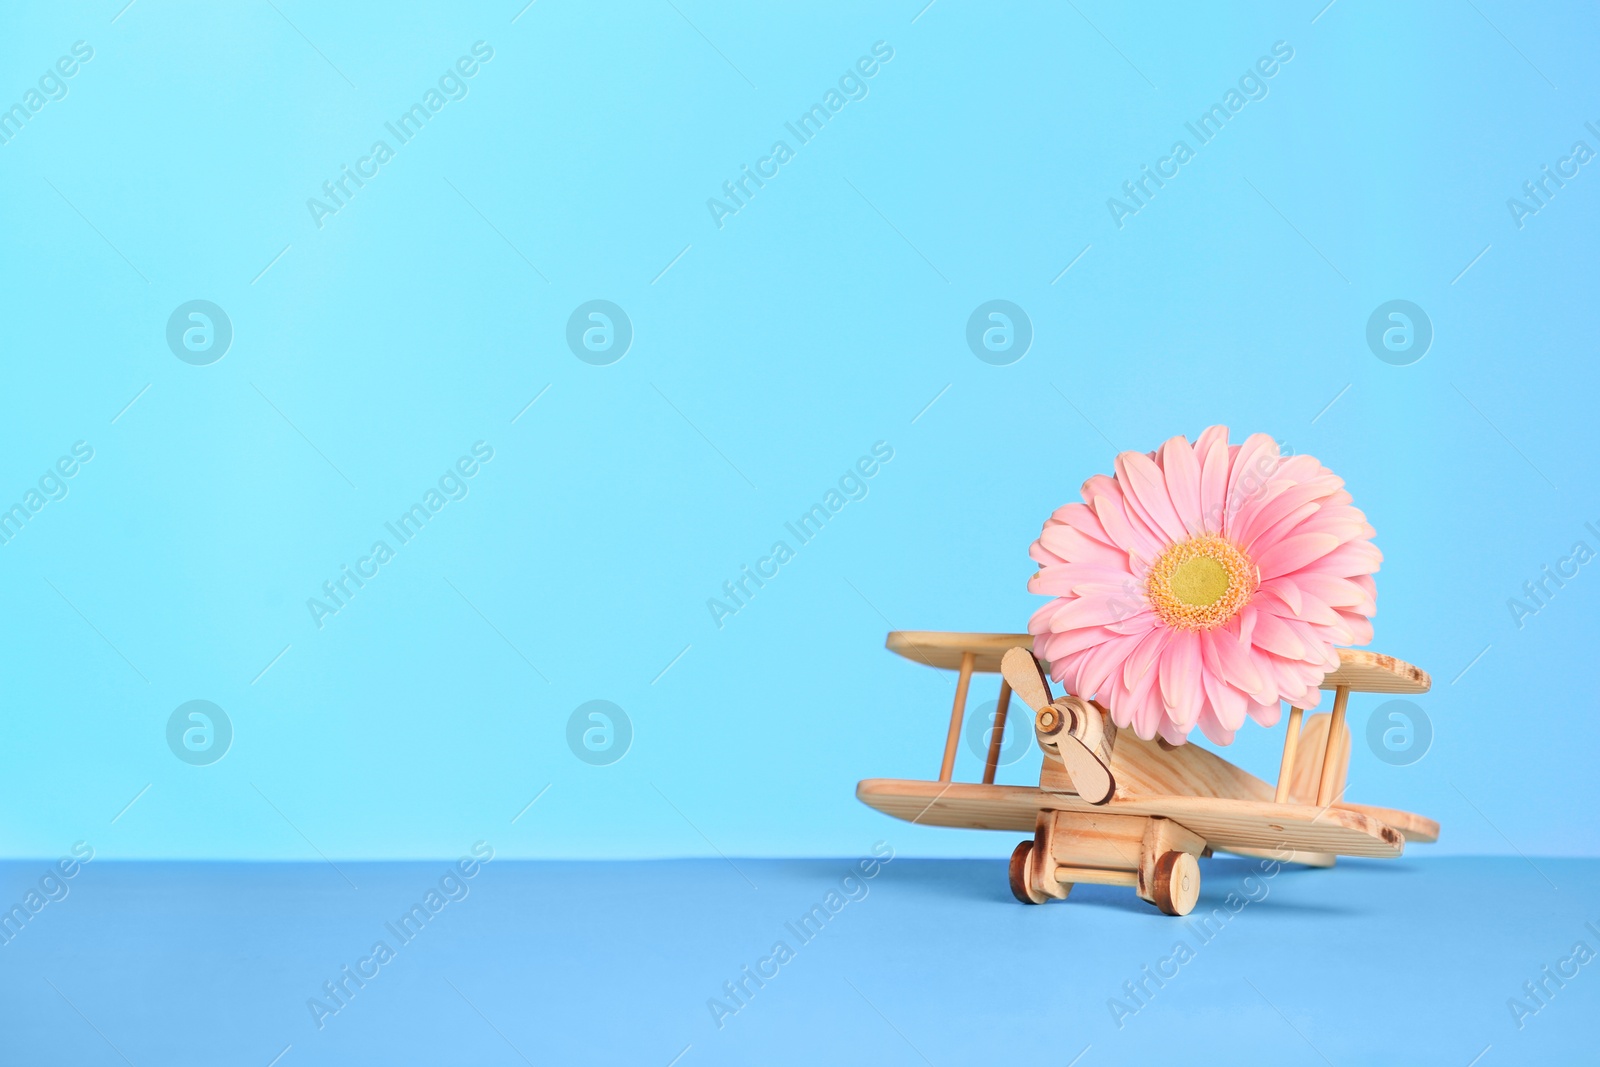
x=1201 y=583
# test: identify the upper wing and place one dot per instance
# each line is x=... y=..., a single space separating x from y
x=1362 y=671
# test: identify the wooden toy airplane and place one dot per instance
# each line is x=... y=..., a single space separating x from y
x=1113 y=809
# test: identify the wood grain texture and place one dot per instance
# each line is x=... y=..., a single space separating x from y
x=1362 y=670
x=1291 y=742
x=1068 y=876
x=1415 y=827
x=938 y=648
x=1308 y=760
x=1373 y=672
x=958 y=709
x=1041 y=868
x=997 y=733
x=1307 y=859
x=1096 y=839
x=1078 y=740
x=1335 y=763
x=1020 y=875
x=1162 y=836
x=1339 y=829
x=1021 y=672
x=1177 y=883
x=1144 y=768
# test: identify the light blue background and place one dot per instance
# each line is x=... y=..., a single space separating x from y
x=822 y=318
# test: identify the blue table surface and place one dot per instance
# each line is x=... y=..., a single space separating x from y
x=1414 y=961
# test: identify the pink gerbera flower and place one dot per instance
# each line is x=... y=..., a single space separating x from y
x=1203 y=583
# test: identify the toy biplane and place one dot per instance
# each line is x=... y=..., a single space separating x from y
x=1112 y=809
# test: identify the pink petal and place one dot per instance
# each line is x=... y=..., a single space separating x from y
x=1266 y=714
x=1282 y=499
x=1172 y=733
x=1239 y=667
x=1146 y=490
x=1252 y=467
x=1294 y=603
x=1086 y=611
x=1141 y=663
x=1072 y=546
x=1100 y=667
x=1060 y=579
x=1301 y=520
x=1351 y=558
x=1119 y=527
x=1213 y=451
x=1243 y=527
x=1292 y=553
x=1304 y=468
x=1072 y=642
x=1211 y=435
x=1136 y=625
x=1246 y=620
x=1276 y=636
x=1360 y=628
x=1147 y=714
x=1039 y=621
x=1215 y=732
x=1282 y=588
x=1226 y=702
x=1180 y=676
x=1332 y=590
x=1182 y=471
x=1081 y=518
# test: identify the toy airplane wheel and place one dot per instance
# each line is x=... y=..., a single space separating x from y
x=1177 y=883
x=1022 y=875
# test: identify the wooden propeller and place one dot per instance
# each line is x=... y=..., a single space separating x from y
x=1070 y=730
